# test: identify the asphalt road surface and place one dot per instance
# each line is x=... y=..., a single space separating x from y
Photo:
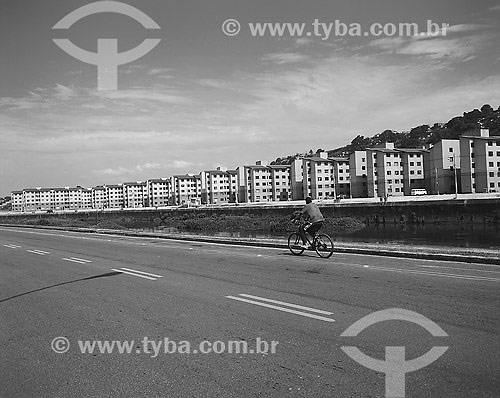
x=89 y=315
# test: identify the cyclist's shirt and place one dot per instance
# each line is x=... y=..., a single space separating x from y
x=312 y=213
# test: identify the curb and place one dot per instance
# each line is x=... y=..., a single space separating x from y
x=274 y=244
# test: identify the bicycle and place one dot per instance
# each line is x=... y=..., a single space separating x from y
x=321 y=243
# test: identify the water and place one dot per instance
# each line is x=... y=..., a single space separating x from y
x=471 y=236
x=466 y=235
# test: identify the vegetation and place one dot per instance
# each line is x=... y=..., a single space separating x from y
x=419 y=136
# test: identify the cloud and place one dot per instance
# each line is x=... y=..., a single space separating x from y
x=465 y=28
x=182 y=164
x=442 y=48
x=495 y=8
x=434 y=47
x=159 y=71
x=285 y=58
x=122 y=171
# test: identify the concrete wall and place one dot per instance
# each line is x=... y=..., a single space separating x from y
x=453 y=211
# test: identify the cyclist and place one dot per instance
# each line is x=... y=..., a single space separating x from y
x=312 y=215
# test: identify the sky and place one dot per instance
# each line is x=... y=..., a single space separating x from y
x=202 y=99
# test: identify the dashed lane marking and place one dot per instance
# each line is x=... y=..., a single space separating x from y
x=139 y=274
x=282 y=306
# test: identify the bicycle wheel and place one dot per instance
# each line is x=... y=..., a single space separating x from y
x=294 y=244
x=323 y=245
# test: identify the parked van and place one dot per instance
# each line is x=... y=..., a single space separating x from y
x=418 y=192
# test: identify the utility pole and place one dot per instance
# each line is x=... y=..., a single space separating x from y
x=437 y=179
x=455 y=171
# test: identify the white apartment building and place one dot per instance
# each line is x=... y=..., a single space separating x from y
x=442 y=167
x=115 y=196
x=186 y=189
x=394 y=171
x=100 y=197
x=412 y=161
x=480 y=162
x=297 y=179
x=135 y=194
x=218 y=186
x=86 y=198
x=341 y=171
x=358 y=174
x=254 y=183
x=280 y=182
x=159 y=192
x=52 y=199
x=17 y=199
x=318 y=177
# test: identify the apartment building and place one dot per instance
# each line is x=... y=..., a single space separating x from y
x=100 y=197
x=254 y=183
x=394 y=172
x=412 y=162
x=159 y=192
x=34 y=199
x=480 y=162
x=442 y=168
x=218 y=186
x=341 y=172
x=115 y=196
x=358 y=174
x=186 y=189
x=318 y=177
x=280 y=182
x=297 y=179
x=135 y=194
x=86 y=198
x=17 y=200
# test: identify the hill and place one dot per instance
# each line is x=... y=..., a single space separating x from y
x=419 y=136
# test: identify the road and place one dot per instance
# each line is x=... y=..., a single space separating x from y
x=176 y=295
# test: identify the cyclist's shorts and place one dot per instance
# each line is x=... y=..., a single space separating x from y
x=314 y=227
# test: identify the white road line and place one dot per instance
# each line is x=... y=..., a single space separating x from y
x=39 y=252
x=443 y=274
x=73 y=260
x=142 y=272
x=275 y=307
x=11 y=246
x=81 y=259
x=300 y=307
x=133 y=274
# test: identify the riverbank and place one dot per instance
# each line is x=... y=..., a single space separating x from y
x=442 y=253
